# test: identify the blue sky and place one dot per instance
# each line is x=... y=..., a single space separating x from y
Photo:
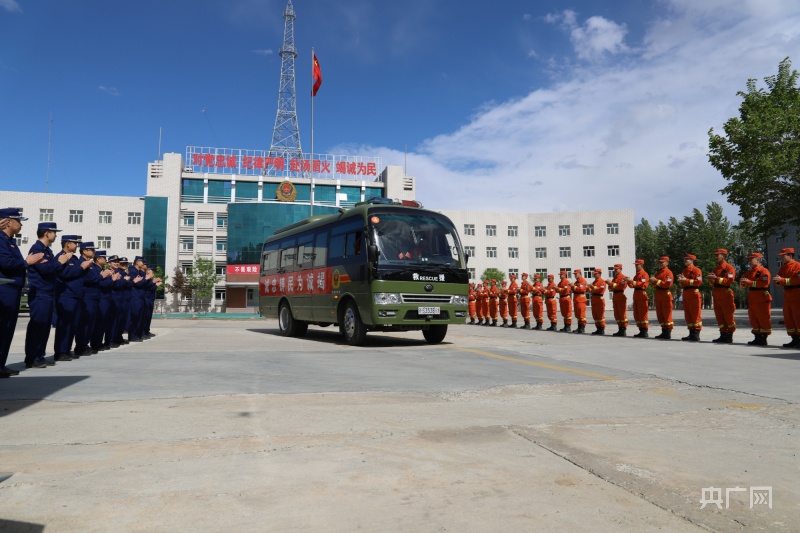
x=528 y=106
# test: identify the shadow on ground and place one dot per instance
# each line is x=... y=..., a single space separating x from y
x=23 y=391
x=331 y=335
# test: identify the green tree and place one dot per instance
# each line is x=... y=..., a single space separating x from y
x=759 y=154
x=493 y=273
x=180 y=286
x=202 y=279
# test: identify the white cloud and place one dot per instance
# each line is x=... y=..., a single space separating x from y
x=597 y=36
x=612 y=136
x=109 y=90
x=267 y=52
x=10 y=5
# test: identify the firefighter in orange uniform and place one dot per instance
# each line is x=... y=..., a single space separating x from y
x=641 y=303
x=472 y=304
x=487 y=320
x=789 y=278
x=579 y=300
x=525 y=300
x=550 y=301
x=565 y=300
x=494 y=295
x=663 y=281
x=617 y=286
x=597 y=289
x=722 y=278
x=537 y=292
x=513 y=290
x=759 y=300
x=504 y=303
x=690 y=280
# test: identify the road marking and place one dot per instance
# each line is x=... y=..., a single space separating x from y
x=534 y=363
x=743 y=405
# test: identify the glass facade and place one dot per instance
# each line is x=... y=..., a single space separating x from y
x=353 y=193
x=246 y=190
x=325 y=193
x=192 y=190
x=371 y=192
x=155 y=230
x=249 y=224
x=219 y=192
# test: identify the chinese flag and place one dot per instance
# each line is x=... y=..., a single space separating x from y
x=317 y=75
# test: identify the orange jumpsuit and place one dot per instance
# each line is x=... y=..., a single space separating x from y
x=565 y=301
x=791 y=296
x=664 y=281
x=486 y=316
x=722 y=294
x=504 y=304
x=619 y=300
x=759 y=300
x=494 y=294
x=537 y=302
x=597 y=290
x=479 y=302
x=579 y=300
x=525 y=300
x=472 y=304
x=692 y=299
x=641 y=303
x=550 y=301
x=513 y=289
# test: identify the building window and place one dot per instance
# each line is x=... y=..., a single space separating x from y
x=469 y=229
x=613 y=250
x=779 y=239
x=513 y=230
x=219 y=269
x=469 y=250
x=222 y=221
x=134 y=243
x=222 y=245
x=134 y=217
x=514 y=271
x=588 y=229
x=540 y=231
x=104 y=242
x=76 y=215
x=187 y=244
x=491 y=230
x=188 y=220
x=104 y=217
x=565 y=251
x=567 y=270
x=540 y=253
x=588 y=251
x=563 y=231
x=186 y=268
x=612 y=229
x=219 y=295
x=610 y=272
x=513 y=253
x=542 y=274
x=588 y=272
x=45 y=215
x=471 y=273
x=491 y=251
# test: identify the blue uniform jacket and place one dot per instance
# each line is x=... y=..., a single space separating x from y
x=12 y=264
x=91 y=283
x=106 y=287
x=42 y=276
x=118 y=287
x=70 y=278
x=138 y=287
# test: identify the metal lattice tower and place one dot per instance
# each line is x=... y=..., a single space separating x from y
x=286 y=135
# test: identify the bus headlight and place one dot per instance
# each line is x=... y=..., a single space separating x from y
x=387 y=298
x=459 y=300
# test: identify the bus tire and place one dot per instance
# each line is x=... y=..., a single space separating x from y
x=351 y=326
x=435 y=334
x=286 y=321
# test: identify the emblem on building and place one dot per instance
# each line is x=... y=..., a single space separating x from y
x=286 y=191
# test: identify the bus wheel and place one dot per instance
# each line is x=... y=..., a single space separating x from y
x=435 y=334
x=286 y=322
x=351 y=325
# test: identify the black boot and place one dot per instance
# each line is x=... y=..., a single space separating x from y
x=552 y=326
x=663 y=332
x=795 y=343
x=642 y=334
x=514 y=324
x=472 y=321
x=666 y=335
x=728 y=339
x=494 y=323
x=762 y=341
x=601 y=330
x=527 y=325
x=719 y=339
x=620 y=333
x=538 y=326
x=580 y=328
x=505 y=323
x=756 y=340
x=694 y=336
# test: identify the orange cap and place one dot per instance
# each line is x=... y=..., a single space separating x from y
x=663 y=258
x=755 y=255
x=639 y=262
x=722 y=251
x=690 y=256
x=786 y=251
x=618 y=266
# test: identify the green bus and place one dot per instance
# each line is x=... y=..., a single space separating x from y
x=381 y=266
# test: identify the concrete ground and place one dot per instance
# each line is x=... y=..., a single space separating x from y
x=223 y=424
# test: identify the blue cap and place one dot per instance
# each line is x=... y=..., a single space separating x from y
x=11 y=212
x=123 y=259
x=99 y=253
x=48 y=226
x=138 y=258
x=70 y=238
x=113 y=258
x=87 y=244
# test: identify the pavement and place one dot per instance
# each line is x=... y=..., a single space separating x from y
x=224 y=424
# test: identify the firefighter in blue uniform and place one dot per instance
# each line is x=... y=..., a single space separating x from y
x=136 y=311
x=13 y=268
x=69 y=293
x=122 y=325
x=113 y=331
x=89 y=303
x=41 y=298
x=103 y=316
x=149 y=302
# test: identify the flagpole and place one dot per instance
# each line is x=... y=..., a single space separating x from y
x=311 y=200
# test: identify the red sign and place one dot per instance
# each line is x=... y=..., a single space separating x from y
x=316 y=281
x=279 y=163
x=242 y=269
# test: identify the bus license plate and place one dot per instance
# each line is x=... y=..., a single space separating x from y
x=429 y=310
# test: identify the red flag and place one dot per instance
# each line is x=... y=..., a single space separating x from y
x=317 y=75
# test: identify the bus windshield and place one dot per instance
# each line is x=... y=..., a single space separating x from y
x=405 y=239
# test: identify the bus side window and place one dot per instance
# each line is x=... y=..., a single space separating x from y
x=336 y=247
x=305 y=251
x=354 y=244
x=321 y=249
x=288 y=255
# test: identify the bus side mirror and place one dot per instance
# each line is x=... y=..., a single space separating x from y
x=466 y=259
x=373 y=253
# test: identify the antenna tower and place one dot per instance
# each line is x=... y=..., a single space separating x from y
x=286 y=135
